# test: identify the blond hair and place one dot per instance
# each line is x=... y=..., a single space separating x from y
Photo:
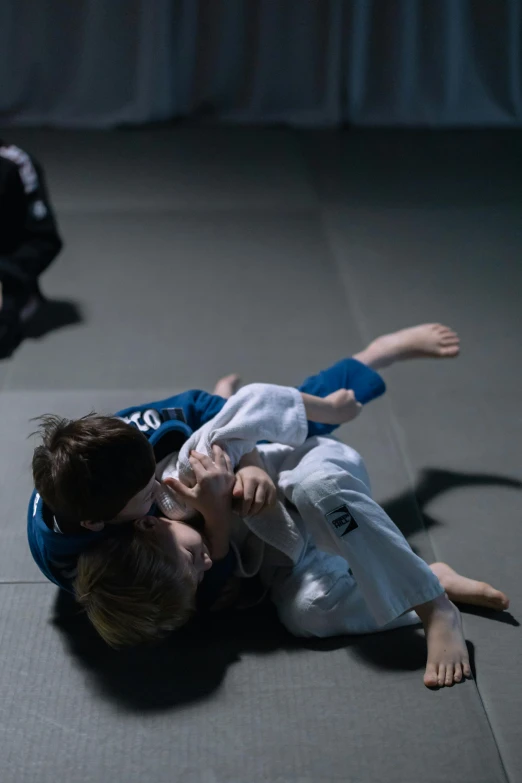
x=132 y=590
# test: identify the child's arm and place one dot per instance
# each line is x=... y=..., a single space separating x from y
x=215 y=498
x=211 y=496
x=254 y=490
x=266 y=412
x=262 y=412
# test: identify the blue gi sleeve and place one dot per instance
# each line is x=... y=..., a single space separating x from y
x=346 y=374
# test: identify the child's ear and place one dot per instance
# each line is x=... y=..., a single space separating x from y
x=94 y=526
x=147 y=524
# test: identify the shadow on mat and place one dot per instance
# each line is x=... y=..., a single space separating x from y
x=187 y=667
x=53 y=314
x=192 y=663
x=404 y=509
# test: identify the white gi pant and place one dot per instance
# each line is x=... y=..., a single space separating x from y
x=375 y=580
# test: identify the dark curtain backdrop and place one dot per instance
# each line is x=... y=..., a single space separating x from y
x=311 y=63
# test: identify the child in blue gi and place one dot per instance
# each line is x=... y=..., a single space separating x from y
x=94 y=472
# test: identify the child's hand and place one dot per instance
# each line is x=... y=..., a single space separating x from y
x=342 y=406
x=254 y=491
x=212 y=493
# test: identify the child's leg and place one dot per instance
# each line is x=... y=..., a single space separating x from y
x=359 y=372
x=320 y=597
x=227 y=386
x=417 y=342
x=469 y=591
x=424 y=341
x=329 y=488
x=391 y=578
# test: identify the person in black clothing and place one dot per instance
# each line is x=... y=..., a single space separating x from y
x=29 y=242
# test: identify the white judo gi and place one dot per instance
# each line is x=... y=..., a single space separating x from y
x=334 y=562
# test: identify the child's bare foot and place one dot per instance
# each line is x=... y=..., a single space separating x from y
x=417 y=342
x=227 y=386
x=448 y=660
x=468 y=591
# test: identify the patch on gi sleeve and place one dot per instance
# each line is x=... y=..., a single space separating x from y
x=341 y=520
x=26 y=169
x=39 y=210
x=174 y=414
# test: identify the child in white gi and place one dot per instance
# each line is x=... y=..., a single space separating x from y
x=375 y=581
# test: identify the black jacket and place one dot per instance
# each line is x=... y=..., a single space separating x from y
x=29 y=238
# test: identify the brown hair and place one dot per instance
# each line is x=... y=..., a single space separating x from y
x=132 y=590
x=89 y=468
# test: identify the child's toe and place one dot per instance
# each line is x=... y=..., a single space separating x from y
x=431 y=676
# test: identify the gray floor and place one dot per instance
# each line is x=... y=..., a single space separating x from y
x=195 y=253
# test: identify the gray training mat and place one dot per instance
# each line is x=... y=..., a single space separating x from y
x=191 y=254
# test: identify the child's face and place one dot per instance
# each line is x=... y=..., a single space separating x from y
x=182 y=541
x=140 y=504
